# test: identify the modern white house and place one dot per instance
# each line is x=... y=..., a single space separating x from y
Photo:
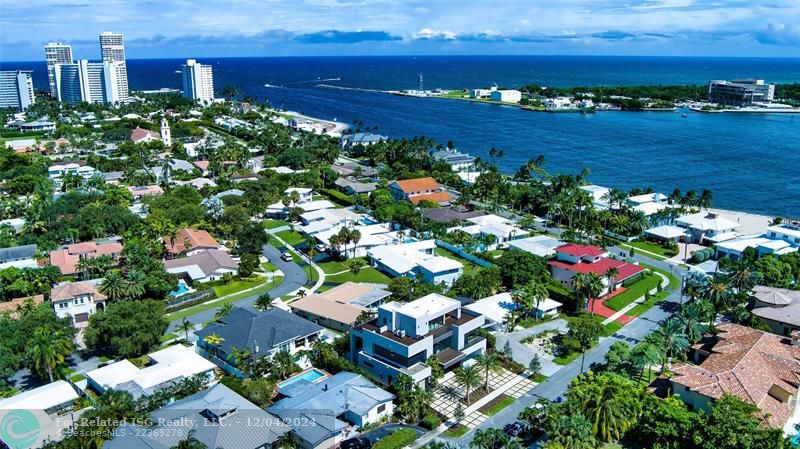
x=599 y=195
x=506 y=96
x=57 y=172
x=708 y=227
x=538 y=245
x=648 y=203
x=416 y=260
x=78 y=300
x=372 y=236
x=405 y=335
x=495 y=309
x=306 y=203
x=503 y=229
x=167 y=367
x=324 y=219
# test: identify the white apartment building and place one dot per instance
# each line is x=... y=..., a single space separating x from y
x=198 y=81
x=92 y=82
x=112 y=48
x=56 y=53
x=16 y=89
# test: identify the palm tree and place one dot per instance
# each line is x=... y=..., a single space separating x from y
x=469 y=378
x=672 y=339
x=743 y=275
x=283 y=364
x=190 y=442
x=215 y=341
x=589 y=286
x=48 y=351
x=638 y=222
x=610 y=275
x=691 y=318
x=572 y=431
x=185 y=326
x=645 y=355
x=718 y=292
x=609 y=407
x=489 y=363
x=114 y=285
x=223 y=311
x=240 y=355
x=263 y=302
x=355 y=236
x=135 y=284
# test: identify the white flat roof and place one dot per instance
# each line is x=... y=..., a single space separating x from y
x=786 y=230
x=427 y=305
x=495 y=308
x=706 y=221
x=667 y=231
x=42 y=398
x=540 y=245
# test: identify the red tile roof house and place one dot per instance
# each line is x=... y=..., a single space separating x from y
x=420 y=189
x=144 y=135
x=757 y=367
x=189 y=242
x=572 y=258
x=66 y=259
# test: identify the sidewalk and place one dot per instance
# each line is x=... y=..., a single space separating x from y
x=618 y=315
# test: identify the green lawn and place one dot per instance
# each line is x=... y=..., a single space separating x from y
x=180 y=314
x=77 y=377
x=272 y=224
x=497 y=404
x=293 y=238
x=237 y=286
x=611 y=328
x=567 y=358
x=674 y=282
x=457 y=431
x=634 y=292
x=268 y=267
x=469 y=267
x=367 y=274
x=647 y=305
x=653 y=248
x=336 y=266
x=167 y=337
x=539 y=378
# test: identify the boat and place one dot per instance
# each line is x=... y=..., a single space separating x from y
x=684 y=115
x=178 y=71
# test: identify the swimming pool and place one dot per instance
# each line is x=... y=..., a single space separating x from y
x=309 y=376
x=182 y=288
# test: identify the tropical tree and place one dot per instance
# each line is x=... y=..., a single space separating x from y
x=692 y=319
x=572 y=431
x=645 y=355
x=611 y=275
x=742 y=275
x=263 y=302
x=190 y=442
x=114 y=286
x=283 y=365
x=215 y=341
x=223 y=311
x=588 y=286
x=185 y=326
x=468 y=377
x=672 y=338
x=610 y=402
x=240 y=355
x=718 y=292
x=48 y=351
x=134 y=284
x=488 y=363
x=490 y=438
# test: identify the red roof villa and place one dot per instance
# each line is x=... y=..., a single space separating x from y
x=572 y=258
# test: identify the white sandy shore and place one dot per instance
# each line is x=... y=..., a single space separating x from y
x=749 y=223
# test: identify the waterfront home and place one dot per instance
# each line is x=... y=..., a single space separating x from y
x=648 y=203
x=164 y=369
x=538 y=245
x=264 y=334
x=757 y=367
x=457 y=160
x=573 y=258
x=405 y=335
x=778 y=240
x=708 y=227
x=372 y=236
x=352 y=187
x=203 y=266
x=67 y=259
x=340 y=307
x=740 y=92
x=779 y=308
x=420 y=189
x=18 y=257
x=217 y=417
x=559 y=104
x=188 y=241
x=451 y=214
x=481 y=93
x=599 y=195
x=321 y=412
x=496 y=309
x=363 y=139
x=506 y=96
x=502 y=229
x=668 y=233
x=416 y=260
x=78 y=300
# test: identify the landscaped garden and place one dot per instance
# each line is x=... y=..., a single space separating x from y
x=635 y=290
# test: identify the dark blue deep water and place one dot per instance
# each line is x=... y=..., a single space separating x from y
x=750 y=162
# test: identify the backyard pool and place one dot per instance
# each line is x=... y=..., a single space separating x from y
x=309 y=376
x=182 y=288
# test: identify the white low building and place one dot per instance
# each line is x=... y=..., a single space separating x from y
x=506 y=96
x=538 y=245
x=502 y=229
x=372 y=236
x=599 y=195
x=416 y=260
x=170 y=366
x=777 y=240
x=324 y=219
x=51 y=410
x=709 y=226
x=496 y=308
x=668 y=233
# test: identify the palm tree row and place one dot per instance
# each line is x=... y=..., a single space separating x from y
x=118 y=286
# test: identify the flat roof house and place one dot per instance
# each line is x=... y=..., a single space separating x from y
x=573 y=258
x=420 y=189
x=305 y=202
x=405 y=335
x=365 y=139
x=169 y=366
x=339 y=307
x=538 y=245
x=78 y=300
x=708 y=226
x=265 y=334
x=203 y=266
x=416 y=260
x=56 y=400
x=501 y=228
x=372 y=236
x=320 y=413
x=757 y=367
x=217 y=417
x=189 y=241
x=495 y=309
x=18 y=257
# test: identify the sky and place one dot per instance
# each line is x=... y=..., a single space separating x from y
x=205 y=28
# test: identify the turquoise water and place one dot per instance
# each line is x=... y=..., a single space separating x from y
x=182 y=288
x=310 y=376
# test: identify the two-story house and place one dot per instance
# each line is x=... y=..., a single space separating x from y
x=420 y=189
x=416 y=260
x=78 y=300
x=573 y=258
x=405 y=335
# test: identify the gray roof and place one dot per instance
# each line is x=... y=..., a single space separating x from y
x=450 y=214
x=112 y=175
x=322 y=402
x=17 y=253
x=265 y=330
x=205 y=414
x=454 y=157
x=783 y=305
x=776 y=296
x=230 y=192
x=357 y=187
x=362 y=138
x=208 y=260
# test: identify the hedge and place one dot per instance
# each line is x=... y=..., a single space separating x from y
x=431 y=421
x=336 y=196
x=396 y=440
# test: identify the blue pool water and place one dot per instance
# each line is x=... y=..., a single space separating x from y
x=310 y=376
x=182 y=288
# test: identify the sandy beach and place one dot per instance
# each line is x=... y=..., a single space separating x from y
x=749 y=223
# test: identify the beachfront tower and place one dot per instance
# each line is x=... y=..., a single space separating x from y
x=16 y=89
x=56 y=53
x=198 y=81
x=112 y=48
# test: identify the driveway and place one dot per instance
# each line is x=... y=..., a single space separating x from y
x=294 y=278
x=524 y=353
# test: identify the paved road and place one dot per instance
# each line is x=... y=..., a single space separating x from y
x=294 y=277
x=556 y=385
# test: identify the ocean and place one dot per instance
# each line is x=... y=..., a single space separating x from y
x=751 y=162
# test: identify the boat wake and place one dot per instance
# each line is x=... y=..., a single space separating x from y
x=332 y=86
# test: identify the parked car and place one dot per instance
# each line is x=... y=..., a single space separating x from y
x=322 y=247
x=515 y=429
x=356 y=443
x=286 y=257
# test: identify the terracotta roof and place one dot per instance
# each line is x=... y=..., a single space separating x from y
x=140 y=133
x=66 y=259
x=16 y=303
x=202 y=165
x=196 y=238
x=436 y=197
x=601 y=267
x=417 y=185
x=581 y=250
x=70 y=290
x=747 y=363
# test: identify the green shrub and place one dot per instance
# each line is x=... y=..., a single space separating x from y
x=431 y=421
x=396 y=440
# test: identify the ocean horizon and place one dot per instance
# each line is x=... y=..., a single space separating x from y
x=751 y=162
